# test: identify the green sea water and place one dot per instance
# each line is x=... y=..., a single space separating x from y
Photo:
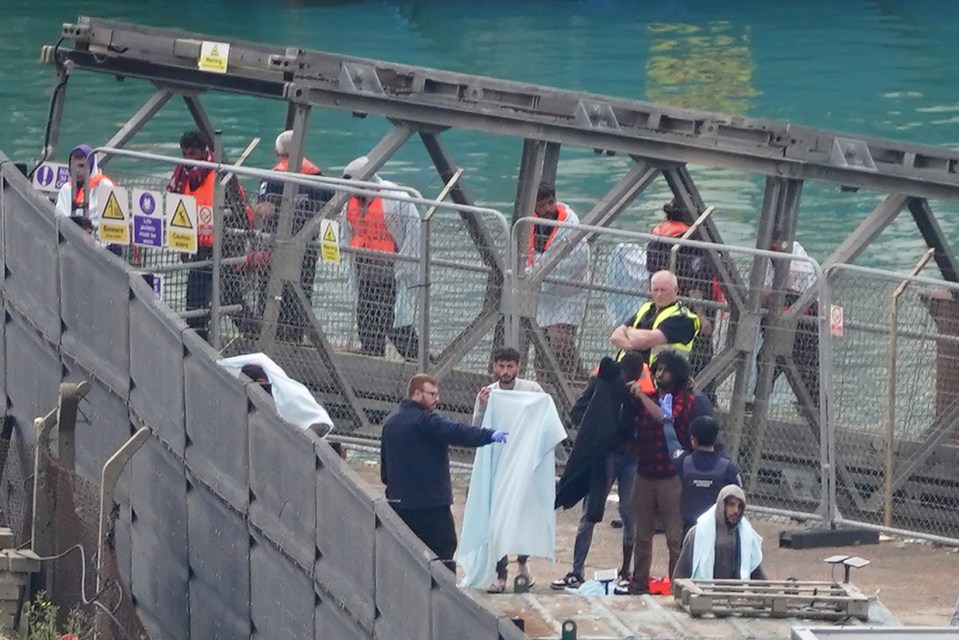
x=879 y=68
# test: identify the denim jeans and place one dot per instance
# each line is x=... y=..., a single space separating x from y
x=621 y=467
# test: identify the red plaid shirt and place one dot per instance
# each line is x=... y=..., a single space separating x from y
x=653 y=461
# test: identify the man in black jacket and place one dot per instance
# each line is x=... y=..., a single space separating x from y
x=604 y=451
x=415 y=464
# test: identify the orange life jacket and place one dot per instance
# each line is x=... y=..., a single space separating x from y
x=369 y=226
x=80 y=197
x=306 y=166
x=562 y=215
x=204 y=198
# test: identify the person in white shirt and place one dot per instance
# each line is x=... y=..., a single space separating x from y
x=83 y=203
x=506 y=369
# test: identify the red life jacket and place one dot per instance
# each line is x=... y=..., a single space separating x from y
x=369 y=226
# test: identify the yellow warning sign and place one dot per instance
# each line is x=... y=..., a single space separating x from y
x=112 y=209
x=179 y=241
x=181 y=218
x=214 y=56
x=113 y=225
x=329 y=241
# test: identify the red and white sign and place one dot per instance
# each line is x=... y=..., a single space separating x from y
x=205 y=216
x=836 y=327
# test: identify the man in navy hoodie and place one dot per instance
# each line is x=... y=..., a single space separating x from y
x=415 y=464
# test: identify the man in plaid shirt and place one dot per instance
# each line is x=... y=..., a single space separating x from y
x=662 y=433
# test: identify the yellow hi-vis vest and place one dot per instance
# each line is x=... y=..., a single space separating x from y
x=673 y=310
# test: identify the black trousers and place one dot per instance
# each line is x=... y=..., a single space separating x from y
x=376 y=311
x=435 y=527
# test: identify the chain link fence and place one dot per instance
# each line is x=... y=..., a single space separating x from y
x=766 y=395
x=356 y=320
x=896 y=367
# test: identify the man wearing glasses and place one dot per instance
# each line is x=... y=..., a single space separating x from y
x=415 y=464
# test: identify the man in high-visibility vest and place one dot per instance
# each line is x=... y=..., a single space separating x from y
x=381 y=228
x=696 y=278
x=200 y=183
x=662 y=323
x=308 y=200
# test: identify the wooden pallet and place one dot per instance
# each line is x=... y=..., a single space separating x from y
x=771 y=598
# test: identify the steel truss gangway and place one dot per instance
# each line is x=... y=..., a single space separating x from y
x=661 y=141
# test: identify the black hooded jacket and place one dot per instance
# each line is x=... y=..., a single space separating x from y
x=605 y=417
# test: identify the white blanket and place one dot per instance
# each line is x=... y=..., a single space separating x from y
x=293 y=401
x=509 y=509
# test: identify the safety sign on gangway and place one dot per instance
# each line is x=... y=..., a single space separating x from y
x=214 y=56
x=147 y=218
x=329 y=241
x=50 y=176
x=114 y=212
x=181 y=223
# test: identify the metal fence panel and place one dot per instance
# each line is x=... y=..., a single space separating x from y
x=160 y=566
x=156 y=369
x=30 y=254
x=456 y=613
x=766 y=394
x=282 y=599
x=32 y=392
x=283 y=505
x=345 y=512
x=403 y=580
x=896 y=374
x=88 y=288
x=218 y=456
x=219 y=559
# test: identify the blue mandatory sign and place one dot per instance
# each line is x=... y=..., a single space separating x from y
x=63 y=175
x=45 y=175
x=148 y=203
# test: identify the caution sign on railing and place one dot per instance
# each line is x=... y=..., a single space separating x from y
x=330 y=241
x=181 y=223
x=114 y=214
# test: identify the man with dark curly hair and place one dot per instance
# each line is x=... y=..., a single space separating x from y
x=662 y=434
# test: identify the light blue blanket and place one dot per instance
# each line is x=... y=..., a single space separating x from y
x=509 y=508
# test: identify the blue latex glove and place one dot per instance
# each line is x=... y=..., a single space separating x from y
x=499 y=436
x=666 y=404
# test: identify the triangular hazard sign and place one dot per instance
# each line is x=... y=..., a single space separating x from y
x=112 y=210
x=328 y=236
x=180 y=217
x=214 y=52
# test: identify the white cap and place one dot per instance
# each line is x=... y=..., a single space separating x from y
x=282 y=144
x=354 y=168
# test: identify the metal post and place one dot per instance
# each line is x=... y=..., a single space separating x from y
x=424 y=293
x=889 y=466
x=218 y=204
x=108 y=484
x=52 y=135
